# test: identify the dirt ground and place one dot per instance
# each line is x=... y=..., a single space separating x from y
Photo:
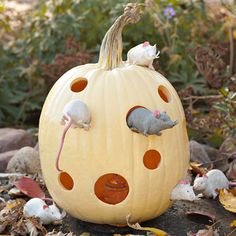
x=174 y=221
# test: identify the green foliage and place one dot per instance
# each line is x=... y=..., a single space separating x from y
x=39 y=45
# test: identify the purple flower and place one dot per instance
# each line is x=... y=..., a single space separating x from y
x=169 y=12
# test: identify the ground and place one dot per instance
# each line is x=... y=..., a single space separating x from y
x=174 y=221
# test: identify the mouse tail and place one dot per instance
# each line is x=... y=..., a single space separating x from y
x=68 y=125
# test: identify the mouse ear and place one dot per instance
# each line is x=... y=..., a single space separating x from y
x=45 y=207
x=156 y=113
x=145 y=44
x=184 y=182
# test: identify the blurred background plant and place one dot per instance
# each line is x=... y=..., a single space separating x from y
x=196 y=40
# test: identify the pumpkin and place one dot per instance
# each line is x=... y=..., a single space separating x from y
x=110 y=172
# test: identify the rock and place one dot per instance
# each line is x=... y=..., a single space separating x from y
x=26 y=160
x=231 y=173
x=36 y=147
x=12 y=139
x=211 y=152
x=228 y=146
x=5 y=157
x=198 y=153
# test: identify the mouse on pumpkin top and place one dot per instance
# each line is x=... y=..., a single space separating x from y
x=143 y=55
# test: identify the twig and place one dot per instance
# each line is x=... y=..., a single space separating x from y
x=203 y=97
x=231 y=55
x=231 y=233
x=8 y=175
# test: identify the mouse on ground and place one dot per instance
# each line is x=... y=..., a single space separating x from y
x=143 y=55
x=47 y=214
x=183 y=191
x=75 y=114
x=209 y=183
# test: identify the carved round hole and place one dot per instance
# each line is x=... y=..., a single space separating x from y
x=151 y=159
x=78 y=84
x=111 y=188
x=164 y=93
x=66 y=180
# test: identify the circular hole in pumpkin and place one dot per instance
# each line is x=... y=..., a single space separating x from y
x=164 y=93
x=151 y=159
x=66 y=180
x=78 y=85
x=111 y=188
x=128 y=113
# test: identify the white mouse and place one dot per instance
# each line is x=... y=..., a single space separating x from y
x=209 y=183
x=143 y=55
x=183 y=191
x=75 y=114
x=46 y=213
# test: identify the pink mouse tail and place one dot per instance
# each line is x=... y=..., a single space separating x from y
x=68 y=125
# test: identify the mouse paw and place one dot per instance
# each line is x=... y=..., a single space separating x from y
x=86 y=126
x=151 y=67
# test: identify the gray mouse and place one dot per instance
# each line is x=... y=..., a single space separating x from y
x=144 y=121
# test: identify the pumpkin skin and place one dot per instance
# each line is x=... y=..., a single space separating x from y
x=110 y=146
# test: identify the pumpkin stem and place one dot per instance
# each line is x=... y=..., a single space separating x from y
x=111 y=49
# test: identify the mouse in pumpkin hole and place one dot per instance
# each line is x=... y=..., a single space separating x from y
x=143 y=55
x=75 y=114
x=144 y=121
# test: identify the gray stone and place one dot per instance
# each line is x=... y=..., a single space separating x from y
x=198 y=153
x=26 y=160
x=5 y=157
x=12 y=139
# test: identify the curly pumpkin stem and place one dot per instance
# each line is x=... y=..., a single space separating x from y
x=111 y=49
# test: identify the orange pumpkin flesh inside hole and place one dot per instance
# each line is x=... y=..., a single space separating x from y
x=164 y=94
x=151 y=159
x=111 y=188
x=66 y=180
x=78 y=84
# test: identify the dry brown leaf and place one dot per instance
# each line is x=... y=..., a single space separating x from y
x=154 y=231
x=228 y=200
x=233 y=223
x=201 y=213
x=204 y=232
x=195 y=167
x=54 y=233
x=11 y=214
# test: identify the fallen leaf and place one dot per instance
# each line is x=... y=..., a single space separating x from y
x=29 y=187
x=205 y=232
x=15 y=192
x=137 y=226
x=195 y=167
x=11 y=214
x=228 y=200
x=53 y=233
x=85 y=234
x=233 y=223
x=201 y=213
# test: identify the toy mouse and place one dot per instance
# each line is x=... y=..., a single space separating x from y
x=143 y=55
x=46 y=213
x=144 y=121
x=209 y=183
x=183 y=191
x=75 y=114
